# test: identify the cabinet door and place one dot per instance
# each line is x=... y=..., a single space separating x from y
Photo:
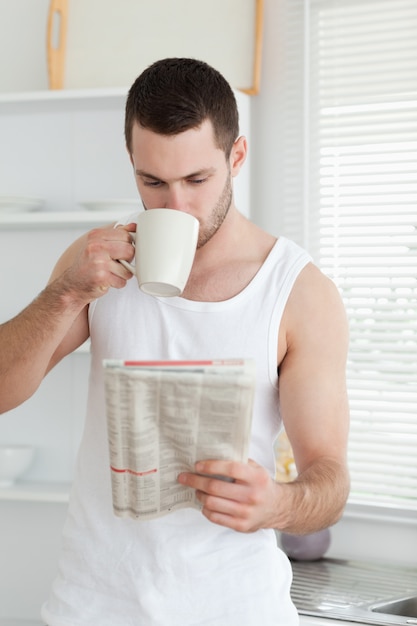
x=23 y=62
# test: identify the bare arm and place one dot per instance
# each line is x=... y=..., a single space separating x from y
x=314 y=339
x=56 y=322
x=314 y=404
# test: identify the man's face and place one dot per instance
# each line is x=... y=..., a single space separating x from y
x=186 y=172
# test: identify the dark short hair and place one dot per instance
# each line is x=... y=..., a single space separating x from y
x=177 y=94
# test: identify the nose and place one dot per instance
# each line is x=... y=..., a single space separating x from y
x=175 y=198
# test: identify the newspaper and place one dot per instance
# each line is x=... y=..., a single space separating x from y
x=162 y=417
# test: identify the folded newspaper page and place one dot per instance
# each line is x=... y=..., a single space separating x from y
x=162 y=417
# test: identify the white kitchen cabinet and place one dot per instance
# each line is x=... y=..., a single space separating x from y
x=64 y=147
x=68 y=147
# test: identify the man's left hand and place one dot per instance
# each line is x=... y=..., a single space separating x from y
x=244 y=500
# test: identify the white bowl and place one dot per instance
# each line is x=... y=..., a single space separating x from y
x=17 y=204
x=116 y=205
x=14 y=461
x=19 y=622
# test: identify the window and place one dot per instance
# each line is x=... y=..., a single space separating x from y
x=350 y=83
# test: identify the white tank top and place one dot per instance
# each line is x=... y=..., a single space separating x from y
x=181 y=569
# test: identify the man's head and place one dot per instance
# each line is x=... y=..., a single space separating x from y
x=174 y=95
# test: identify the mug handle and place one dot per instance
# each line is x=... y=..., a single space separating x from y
x=126 y=264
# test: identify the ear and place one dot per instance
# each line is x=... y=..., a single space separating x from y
x=238 y=155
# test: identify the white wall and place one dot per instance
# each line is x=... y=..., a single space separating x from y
x=29 y=549
x=266 y=127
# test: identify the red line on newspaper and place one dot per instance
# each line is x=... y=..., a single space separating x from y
x=129 y=471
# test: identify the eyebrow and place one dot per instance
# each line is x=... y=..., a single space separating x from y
x=204 y=172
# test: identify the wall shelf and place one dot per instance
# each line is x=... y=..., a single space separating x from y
x=64 y=99
x=59 y=219
x=36 y=492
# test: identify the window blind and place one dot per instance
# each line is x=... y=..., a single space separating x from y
x=359 y=141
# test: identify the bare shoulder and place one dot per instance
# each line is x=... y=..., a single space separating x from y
x=314 y=289
x=315 y=316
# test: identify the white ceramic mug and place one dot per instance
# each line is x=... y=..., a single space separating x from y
x=165 y=246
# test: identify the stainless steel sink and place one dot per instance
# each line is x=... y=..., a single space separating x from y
x=406 y=607
x=355 y=591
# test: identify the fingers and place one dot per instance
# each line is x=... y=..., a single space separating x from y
x=224 y=503
x=214 y=485
x=123 y=250
x=103 y=250
x=131 y=227
x=233 y=494
x=226 y=479
x=230 y=514
x=93 y=266
x=232 y=469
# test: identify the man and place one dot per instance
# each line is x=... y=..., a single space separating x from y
x=249 y=295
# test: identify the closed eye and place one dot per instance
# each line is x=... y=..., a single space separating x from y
x=153 y=183
x=194 y=178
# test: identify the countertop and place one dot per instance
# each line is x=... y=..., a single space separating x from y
x=329 y=590
x=305 y=620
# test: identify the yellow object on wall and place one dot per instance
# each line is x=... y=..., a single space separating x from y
x=286 y=470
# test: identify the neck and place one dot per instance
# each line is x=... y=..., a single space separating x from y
x=227 y=263
x=225 y=241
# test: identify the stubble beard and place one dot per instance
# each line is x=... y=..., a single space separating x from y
x=210 y=227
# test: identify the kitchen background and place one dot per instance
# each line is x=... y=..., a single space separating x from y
x=67 y=148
